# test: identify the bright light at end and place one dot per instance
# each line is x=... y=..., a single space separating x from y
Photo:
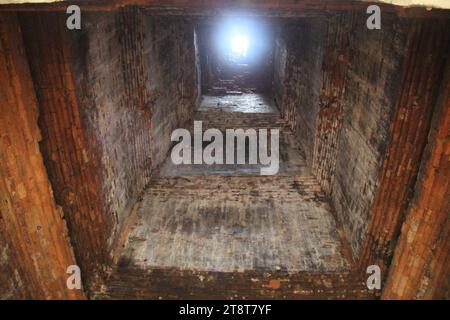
x=239 y=45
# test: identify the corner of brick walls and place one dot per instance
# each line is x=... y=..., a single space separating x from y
x=135 y=77
x=419 y=269
x=336 y=84
x=35 y=248
x=297 y=76
x=109 y=97
x=427 y=52
x=70 y=157
x=117 y=123
x=372 y=86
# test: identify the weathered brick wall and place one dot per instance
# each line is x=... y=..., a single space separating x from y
x=120 y=130
x=329 y=119
x=71 y=161
x=336 y=83
x=279 y=69
x=427 y=50
x=420 y=268
x=37 y=250
x=173 y=77
x=135 y=76
x=297 y=87
x=360 y=101
x=13 y=284
x=372 y=85
x=198 y=67
x=109 y=97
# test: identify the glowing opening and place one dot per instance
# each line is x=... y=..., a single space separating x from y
x=240 y=42
x=239 y=45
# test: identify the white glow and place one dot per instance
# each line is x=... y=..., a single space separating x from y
x=239 y=45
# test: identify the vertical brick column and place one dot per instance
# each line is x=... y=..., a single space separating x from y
x=30 y=218
x=68 y=148
x=423 y=69
x=420 y=266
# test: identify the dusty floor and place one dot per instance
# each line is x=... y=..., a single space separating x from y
x=220 y=222
x=245 y=102
x=229 y=218
x=234 y=223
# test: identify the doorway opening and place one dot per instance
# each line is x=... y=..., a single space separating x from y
x=236 y=64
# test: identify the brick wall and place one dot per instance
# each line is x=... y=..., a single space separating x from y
x=337 y=83
x=152 y=61
x=279 y=69
x=372 y=84
x=37 y=251
x=299 y=46
x=109 y=97
x=119 y=129
x=329 y=119
x=420 y=266
x=12 y=280
x=426 y=53
x=70 y=157
x=338 y=90
x=173 y=78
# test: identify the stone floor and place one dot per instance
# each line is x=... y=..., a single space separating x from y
x=245 y=102
x=227 y=224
